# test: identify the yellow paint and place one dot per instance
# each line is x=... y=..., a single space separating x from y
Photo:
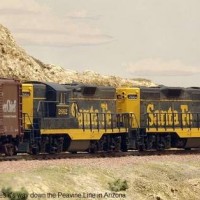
x=128 y=101
x=182 y=133
x=80 y=134
x=39 y=98
x=93 y=99
x=27 y=104
x=164 y=120
x=168 y=117
x=186 y=116
x=91 y=116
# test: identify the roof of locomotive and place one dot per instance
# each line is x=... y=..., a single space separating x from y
x=81 y=85
x=171 y=92
x=162 y=88
x=92 y=91
x=55 y=86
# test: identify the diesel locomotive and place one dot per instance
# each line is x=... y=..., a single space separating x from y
x=163 y=117
x=41 y=117
x=71 y=117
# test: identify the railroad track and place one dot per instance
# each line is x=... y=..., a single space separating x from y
x=83 y=155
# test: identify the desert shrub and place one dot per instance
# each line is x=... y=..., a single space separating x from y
x=22 y=194
x=118 y=185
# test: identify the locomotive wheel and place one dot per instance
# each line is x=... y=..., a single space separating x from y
x=73 y=152
x=141 y=148
x=9 y=149
x=35 y=150
x=93 y=147
x=187 y=149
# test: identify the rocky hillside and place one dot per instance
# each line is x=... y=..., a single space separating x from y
x=16 y=63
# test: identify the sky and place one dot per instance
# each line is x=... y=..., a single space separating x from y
x=153 y=39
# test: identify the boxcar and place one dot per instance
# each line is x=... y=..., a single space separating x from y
x=10 y=115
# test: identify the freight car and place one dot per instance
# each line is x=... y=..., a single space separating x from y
x=163 y=117
x=10 y=116
x=71 y=118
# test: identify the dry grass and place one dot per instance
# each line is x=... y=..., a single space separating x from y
x=154 y=177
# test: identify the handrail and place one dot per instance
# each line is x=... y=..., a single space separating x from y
x=92 y=120
x=26 y=115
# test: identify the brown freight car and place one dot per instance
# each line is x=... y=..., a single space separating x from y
x=10 y=115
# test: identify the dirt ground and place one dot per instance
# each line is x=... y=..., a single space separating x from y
x=148 y=177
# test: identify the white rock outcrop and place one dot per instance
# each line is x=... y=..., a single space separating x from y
x=16 y=63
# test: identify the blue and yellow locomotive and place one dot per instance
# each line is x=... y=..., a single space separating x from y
x=72 y=118
x=163 y=117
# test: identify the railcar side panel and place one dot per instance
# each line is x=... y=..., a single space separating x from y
x=172 y=109
x=10 y=108
x=93 y=107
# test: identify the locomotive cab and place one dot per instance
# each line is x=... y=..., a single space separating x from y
x=128 y=101
x=44 y=100
x=45 y=106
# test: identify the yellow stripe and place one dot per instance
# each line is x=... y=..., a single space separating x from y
x=166 y=100
x=39 y=98
x=80 y=134
x=91 y=99
x=182 y=133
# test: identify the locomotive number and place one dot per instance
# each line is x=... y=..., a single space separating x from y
x=62 y=111
x=26 y=94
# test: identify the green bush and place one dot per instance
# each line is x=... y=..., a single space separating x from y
x=15 y=195
x=118 y=185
